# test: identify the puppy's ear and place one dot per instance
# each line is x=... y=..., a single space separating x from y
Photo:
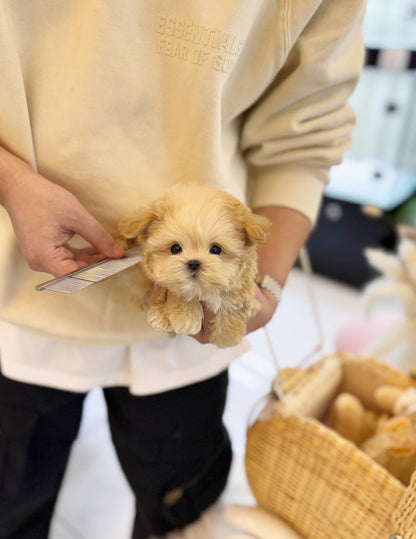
x=256 y=227
x=137 y=226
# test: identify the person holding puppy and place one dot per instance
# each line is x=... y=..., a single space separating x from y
x=104 y=106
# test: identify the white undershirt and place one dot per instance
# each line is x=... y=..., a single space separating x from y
x=149 y=367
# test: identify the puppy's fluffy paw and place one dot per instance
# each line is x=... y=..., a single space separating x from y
x=186 y=327
x=228 y=329
x=176 y=317
x=223 y=340
x=157 y=319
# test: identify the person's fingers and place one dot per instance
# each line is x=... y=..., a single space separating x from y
x=90 y=229
x=154 y=291
x=203 y=336
x=87 y=255
x=61 y=263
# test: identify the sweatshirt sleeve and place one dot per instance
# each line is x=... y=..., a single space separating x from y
x=302 y=124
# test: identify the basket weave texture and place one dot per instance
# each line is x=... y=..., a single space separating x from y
x=323 y=485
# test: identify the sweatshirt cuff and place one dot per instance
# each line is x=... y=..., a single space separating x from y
x=293 y=187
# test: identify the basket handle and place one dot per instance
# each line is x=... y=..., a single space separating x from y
x=310 y=357
x=404 y=517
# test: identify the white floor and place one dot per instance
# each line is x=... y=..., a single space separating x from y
x=95 y=501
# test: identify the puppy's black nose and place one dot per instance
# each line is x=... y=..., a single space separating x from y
x=193 y=265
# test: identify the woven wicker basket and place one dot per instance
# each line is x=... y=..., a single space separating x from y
x=319 y=482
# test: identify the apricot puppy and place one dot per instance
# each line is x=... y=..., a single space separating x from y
x=199 y=245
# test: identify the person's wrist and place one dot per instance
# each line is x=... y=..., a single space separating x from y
x=266 y=311
x=269 y=285
x=270 y=300
x=13 y=179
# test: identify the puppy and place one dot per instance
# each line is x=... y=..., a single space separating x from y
x=199 y=245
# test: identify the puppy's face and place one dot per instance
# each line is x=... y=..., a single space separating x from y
x=196 y=240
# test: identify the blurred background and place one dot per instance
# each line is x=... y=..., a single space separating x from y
x=374 y=188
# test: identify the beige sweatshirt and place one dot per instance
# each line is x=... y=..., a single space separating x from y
x=117 y=99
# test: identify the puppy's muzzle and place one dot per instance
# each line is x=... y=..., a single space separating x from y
x=193 y=265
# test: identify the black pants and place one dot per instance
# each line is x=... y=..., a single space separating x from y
x=173 y=448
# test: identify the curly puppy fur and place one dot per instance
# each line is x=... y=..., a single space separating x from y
x=199 y=245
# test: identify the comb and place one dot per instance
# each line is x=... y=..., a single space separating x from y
x=92 y=274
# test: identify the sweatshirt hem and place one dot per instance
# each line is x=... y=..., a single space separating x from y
x=147 y=386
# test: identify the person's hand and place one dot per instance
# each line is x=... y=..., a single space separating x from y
x=45 y=217
x=260 y=319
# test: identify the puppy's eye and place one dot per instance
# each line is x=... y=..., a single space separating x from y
x=215 y=249
x=176 y=249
